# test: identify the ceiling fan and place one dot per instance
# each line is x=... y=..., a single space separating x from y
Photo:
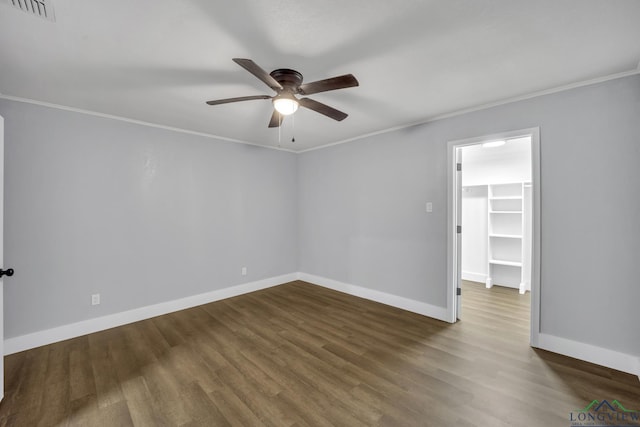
x=287 y=84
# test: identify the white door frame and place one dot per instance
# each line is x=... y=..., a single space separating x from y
x=452 y=242
x=1 y=257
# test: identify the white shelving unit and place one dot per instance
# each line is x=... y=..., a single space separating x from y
x=508 y=236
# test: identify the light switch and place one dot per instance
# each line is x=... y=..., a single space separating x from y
x=429 y=207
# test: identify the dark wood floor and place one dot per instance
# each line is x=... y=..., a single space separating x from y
x=298 y=354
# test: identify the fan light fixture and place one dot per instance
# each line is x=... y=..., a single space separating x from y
x=494 y=143
x=285 y=106
x=287 y=84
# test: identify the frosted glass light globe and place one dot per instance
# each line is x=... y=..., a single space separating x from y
x=285 y=106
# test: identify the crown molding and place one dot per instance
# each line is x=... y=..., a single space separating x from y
x=343 y=141
x=483 y=107
x=137 y=122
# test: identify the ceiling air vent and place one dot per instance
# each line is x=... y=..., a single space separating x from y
x=40 y=8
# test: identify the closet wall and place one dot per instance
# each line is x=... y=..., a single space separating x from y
x=509 y=163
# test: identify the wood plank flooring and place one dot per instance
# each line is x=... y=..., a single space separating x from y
x=302 y=355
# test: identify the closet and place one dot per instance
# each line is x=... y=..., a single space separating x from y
x=496 y=214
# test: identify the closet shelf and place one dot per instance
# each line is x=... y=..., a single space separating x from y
x=507 y=236
x=503 y=262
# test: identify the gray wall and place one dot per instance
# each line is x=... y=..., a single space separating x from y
x=144 y=215
x=362 y=218
x=139 y=214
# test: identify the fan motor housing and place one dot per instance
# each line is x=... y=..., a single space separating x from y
x=290 y=79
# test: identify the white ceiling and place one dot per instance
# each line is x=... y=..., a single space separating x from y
x=158 y=61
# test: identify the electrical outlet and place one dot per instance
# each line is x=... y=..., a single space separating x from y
x=244 y=271
x=95 y=299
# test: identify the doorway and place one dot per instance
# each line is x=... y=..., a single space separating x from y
x=494 y=219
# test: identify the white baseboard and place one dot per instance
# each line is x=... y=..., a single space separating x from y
x=474 y=277
x=587 y=352
x=60 y=333
x=414 y=306
x=590 y=353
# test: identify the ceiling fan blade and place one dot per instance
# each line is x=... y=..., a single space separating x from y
x=276 y=119
x=340 y=82
x=321 y=108
x=255 y=69
x=242 y=98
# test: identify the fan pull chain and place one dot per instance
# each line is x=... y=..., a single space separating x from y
x=293 y=127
